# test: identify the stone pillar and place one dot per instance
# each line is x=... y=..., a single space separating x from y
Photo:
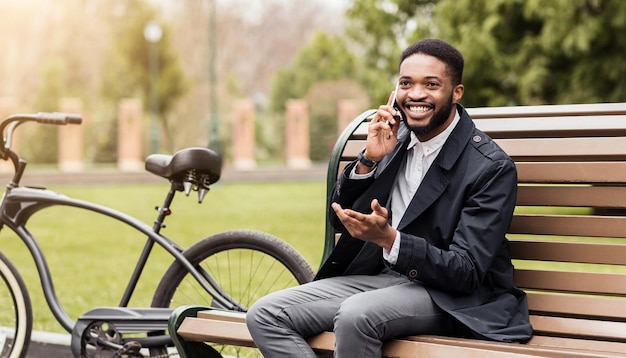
x=243 y=135
x=129 y=135
x=297 y=117
x=348 y=109
x=8 y=106
x=71 y=138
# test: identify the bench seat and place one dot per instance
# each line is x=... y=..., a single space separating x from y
x=204 y=324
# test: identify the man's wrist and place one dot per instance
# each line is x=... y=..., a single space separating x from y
x=364 y=164
x=391 y=254
x=363 y=159
x=362 y=169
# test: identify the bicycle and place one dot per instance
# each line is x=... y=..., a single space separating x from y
x=195 y=276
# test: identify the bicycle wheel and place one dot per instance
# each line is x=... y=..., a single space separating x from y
x=16 y=314
x=246 y=264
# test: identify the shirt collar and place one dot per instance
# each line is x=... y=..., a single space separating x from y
x=437 y=141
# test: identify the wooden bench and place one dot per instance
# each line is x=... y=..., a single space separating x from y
x=568 y=237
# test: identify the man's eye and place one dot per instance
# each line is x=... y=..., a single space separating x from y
x=432 y=84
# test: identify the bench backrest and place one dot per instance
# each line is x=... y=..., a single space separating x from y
x=568 y=235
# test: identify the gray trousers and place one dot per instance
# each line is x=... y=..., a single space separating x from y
x=362 y=311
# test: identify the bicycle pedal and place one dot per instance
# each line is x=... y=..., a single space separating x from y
x=129 y=350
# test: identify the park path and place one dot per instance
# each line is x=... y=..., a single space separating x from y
x=39 y=177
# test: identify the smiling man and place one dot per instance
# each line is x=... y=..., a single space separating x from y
x=424 y=211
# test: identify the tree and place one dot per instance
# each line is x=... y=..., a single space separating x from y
x=516 y=51
x=323 y=128
x=254 y=40
x=127 y=71
x=539 y=52
x=382 y=29
x=55 y=57
x=325 y=60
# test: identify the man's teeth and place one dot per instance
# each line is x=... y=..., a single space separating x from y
x=419 y=109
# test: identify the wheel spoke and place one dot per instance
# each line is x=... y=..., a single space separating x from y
x=246 y=265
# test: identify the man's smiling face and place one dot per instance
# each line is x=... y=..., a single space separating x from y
x=427 y=95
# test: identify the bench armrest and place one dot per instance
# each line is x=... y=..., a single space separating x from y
x=187 y=349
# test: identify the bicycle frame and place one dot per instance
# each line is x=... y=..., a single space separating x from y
x=20 y=203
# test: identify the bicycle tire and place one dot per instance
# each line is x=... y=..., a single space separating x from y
x=267 y=253
x=16 y=325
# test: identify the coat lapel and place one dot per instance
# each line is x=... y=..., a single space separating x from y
x=434 y=183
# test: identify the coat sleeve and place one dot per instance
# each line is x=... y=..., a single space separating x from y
x=346 y=191
x=478 y=238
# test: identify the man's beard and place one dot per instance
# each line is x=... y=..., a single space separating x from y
x=439 y=118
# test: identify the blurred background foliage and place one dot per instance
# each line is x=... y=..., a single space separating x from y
x=518 y=52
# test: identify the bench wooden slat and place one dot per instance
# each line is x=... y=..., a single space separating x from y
x=562 y=126
x=611 y=349
x=228 y=316
x=216 y=331
x=361 y=131
x=583 y=305
x=352 y=149
x=593 y=109
x=572 y=195
x=403 y=348
x=548 y=172
x=579 y=327
x=569 y=225
x=571 y=281
x=581 y=252
x=232 y=330
x=570 y=148
x=574 y=172
x=538 y=346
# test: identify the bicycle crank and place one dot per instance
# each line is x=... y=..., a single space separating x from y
x=100 y=339
x=100 y=332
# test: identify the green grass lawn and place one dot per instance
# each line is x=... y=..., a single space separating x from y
x=91 y=257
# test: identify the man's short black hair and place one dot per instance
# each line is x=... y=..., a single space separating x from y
x=441 y=50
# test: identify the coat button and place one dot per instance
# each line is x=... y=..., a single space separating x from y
x=413 y=273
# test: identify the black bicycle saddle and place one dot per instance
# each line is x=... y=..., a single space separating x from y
x=175 y=167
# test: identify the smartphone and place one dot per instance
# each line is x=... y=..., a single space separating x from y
x=394 y=104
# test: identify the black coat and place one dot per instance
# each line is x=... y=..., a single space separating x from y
x=452 y=234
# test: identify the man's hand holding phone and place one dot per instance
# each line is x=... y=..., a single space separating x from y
x=382 y=130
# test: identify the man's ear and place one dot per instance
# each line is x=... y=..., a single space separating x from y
x=458 y=93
